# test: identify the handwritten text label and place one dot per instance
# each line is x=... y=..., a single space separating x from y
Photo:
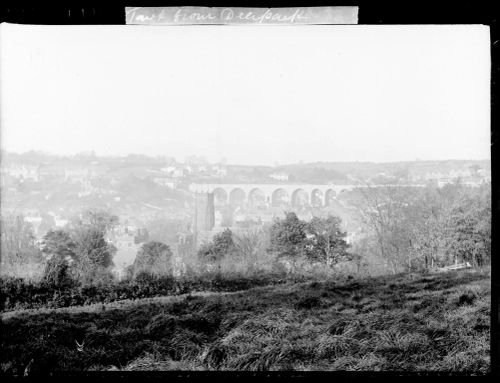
x=233 y=15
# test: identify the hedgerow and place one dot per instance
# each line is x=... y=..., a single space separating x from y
x=16 y=293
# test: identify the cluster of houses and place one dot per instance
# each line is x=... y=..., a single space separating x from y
x=90 y=179
x=39 y=224
x=171 y=176
x=468 y=176
x=46 y=171
x=472 y=176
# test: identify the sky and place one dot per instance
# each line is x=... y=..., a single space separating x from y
x=255 y=95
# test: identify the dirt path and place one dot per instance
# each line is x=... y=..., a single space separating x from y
x=99 y=307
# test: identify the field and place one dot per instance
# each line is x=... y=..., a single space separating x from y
x=438 y=322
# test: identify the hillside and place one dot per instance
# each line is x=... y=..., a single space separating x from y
x=38 y=184
x=405 y=322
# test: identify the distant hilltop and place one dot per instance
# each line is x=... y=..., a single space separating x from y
x=167 y=171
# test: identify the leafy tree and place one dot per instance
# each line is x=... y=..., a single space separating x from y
x=288 y=236
x=58 y=243
x=98 y=219
x=320 y=239
x=222 y=244
x=93 y=249
x=326 y=241
x=57 y=272
x=93 y=252
x=59 y=249
x=153 y=257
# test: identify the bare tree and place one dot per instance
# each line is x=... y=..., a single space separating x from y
x=248 y=245
x=386 y=211
x=18 y=243
x=421 y=227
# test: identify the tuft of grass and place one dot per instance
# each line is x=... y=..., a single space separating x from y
x=308 y=303
x=467 y=298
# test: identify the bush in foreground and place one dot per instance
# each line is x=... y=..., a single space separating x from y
x=17 y=294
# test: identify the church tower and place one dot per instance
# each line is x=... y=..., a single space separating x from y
x=204 y=216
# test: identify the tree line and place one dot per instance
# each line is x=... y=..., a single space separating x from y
x=421 y=228
x=409 y=229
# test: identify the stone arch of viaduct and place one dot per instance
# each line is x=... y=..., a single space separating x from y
x=272 y=194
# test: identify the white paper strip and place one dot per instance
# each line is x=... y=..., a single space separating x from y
x=235 y=15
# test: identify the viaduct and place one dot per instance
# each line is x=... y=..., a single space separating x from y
x=271 y=194
x=260 y=196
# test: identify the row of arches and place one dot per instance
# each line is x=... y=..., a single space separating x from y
x=256 y=198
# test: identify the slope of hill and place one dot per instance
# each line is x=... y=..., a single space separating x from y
x=403 y=323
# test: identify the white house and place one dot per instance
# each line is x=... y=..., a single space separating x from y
x=280 y=176
x=126 y=251
x=26 y=172
x=219 y=171
x=166 y=181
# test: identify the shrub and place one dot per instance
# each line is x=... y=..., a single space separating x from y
x=98 y=276
x=153 y=257
x=308 y=303
x=467 y=298
x=16 y=293
x=57 y=273
x=221 y=245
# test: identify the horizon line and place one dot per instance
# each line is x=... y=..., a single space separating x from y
x=91 y=153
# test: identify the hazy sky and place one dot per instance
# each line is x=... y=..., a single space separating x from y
x=252 y=95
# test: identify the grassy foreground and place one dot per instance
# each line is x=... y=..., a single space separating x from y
x=404 y=323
